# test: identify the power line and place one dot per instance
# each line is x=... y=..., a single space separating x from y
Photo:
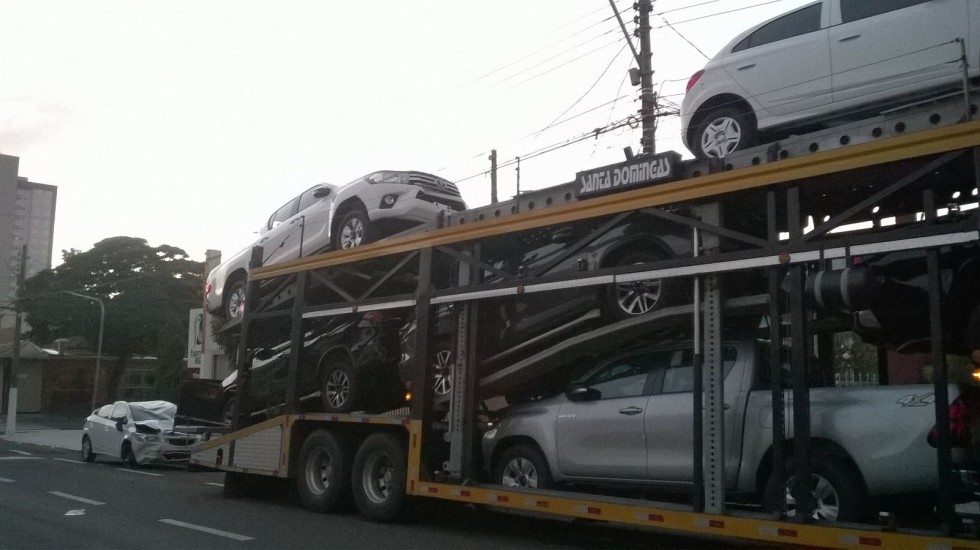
x=684 y=38
x=592 y=87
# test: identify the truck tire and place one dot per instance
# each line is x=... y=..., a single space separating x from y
x=628 y=300
x=523 y=465
x=87 y=454
x=837 y=489
x=323 y=473
x=339 y=387
x=379 y=477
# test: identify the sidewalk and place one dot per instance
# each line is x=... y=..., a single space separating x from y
x=63 y=432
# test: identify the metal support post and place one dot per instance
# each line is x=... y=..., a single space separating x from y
x=944 y=460
x=462 y=404
x=295 y=345
x=800 y=355
x=714 y=375
x=775 y=354
x=423 y=370
x=242 y=395
x=698 y=479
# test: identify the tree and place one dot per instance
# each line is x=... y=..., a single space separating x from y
x=147 y=292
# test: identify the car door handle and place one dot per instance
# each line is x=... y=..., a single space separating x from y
x=849 y=38
x=630 y=411
x=744 y=67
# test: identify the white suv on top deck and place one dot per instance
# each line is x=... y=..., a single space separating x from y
x=827 y=60
x=330 y=217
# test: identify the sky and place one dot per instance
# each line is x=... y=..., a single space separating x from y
x=188 y=122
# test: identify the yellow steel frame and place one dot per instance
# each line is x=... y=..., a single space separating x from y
x=951 y=138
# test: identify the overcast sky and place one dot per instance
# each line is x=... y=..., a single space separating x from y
x=188 y=122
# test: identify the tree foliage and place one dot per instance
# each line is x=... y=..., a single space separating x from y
x=147 y=292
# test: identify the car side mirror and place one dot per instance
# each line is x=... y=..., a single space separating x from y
x=321 y=192
x=582 y=393
x=120 y=422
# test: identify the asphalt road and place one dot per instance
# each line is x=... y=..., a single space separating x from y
x=49 y=498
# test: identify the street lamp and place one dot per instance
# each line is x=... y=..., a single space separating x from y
x=98 y=352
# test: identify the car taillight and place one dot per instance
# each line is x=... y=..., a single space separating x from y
x=207 y=289
x=960 y=432
x=693 y=80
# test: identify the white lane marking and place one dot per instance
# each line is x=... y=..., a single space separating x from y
x=21 y=458
x=215 y=484
x=68 y=460
x=25 y=453
x=203 y=529
x=139 y=472
x=75 y=512
x=5 y=480
x=73 y=497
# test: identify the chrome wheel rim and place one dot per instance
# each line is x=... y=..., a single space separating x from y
x=337 y=388
x=639 y=297
x=236 y=303
x=319 y=472
x=378 y=477
x=443 y=372
x=721 y=137
x=352 y=234
x=520 y=472
x=825 y=498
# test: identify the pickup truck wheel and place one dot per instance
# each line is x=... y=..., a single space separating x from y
x=724 y=131
x=837 y=492
x=628 y=300
x=379 y=477
x=353 y=230
x=323 y=480
x=235 y=300
x=523 y=466
x=87 y=454
x=338 y=390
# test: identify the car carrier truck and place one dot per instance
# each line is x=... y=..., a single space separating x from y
x=869 y=229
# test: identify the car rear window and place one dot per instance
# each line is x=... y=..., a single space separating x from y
x=797 y=23
x=854 y=10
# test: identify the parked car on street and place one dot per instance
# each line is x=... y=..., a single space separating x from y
x=627 y=424
x=332 y=217
x=824 y=62
x=140 y=432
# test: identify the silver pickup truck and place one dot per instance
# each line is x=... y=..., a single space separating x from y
x=627 y=422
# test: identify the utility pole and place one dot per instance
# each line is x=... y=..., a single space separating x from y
x=15 y=352
x=643 y=75
x=493 y=176
x=648 y=101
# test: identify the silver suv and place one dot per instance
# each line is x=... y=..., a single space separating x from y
x=330 y=217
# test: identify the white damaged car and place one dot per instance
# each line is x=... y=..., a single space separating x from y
x=138 y=433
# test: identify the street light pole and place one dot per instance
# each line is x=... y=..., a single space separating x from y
x=98 y=352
